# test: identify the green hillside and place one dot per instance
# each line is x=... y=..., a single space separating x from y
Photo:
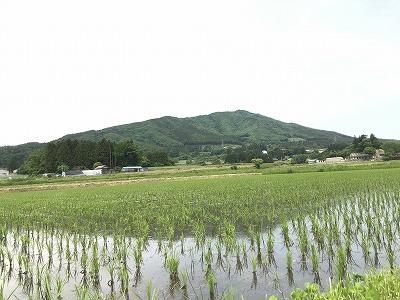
x=11 y=157
x=238 y=128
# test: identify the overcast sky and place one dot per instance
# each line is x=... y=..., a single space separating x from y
x=76 y=65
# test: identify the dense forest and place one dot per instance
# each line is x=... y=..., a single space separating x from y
x=178 y=136
x=82 y=154
x=12 y=157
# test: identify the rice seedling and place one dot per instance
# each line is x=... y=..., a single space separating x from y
x=251 y=233
x=47 y=293
x=172 y=264
x=60 y=283
x=184 y=279
x=254 y=264
x=341 y=264
x=314 y=260
x=285 y=232
x=124 y=280
x=138 y=256
x=95 y=267
x=208 y=260
x=212 y=281
x=111 y=268
x=390 y=256
x=258 y=241
x=239 y=264
x=365 y=248
x=150 y=291
x=289 y=260
x=277 y=283
x=83 y=293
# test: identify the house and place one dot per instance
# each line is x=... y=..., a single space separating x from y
x=104 y=169
x=4 y=173
x=81 y=173
x=379 y=153
x=312 y=161
x=72 y=173
x=132 y=169
x=334 y=159
x=396 y=156
x=359 y=156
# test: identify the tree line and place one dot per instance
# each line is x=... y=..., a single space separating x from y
x=70 y=154
x=12 y=157
x=67 y=154
x=360 y=144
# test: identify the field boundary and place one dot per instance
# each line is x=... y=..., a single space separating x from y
x=55 y=186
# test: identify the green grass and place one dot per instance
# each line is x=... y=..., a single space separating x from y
x=322 y=167
x=380 y=285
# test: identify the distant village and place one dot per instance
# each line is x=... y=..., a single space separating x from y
x=379 y=155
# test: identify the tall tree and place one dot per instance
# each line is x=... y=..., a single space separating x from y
x=34 y=164
x=50 y=157
x=127 y=154
x=103 y=152
x=159 y=158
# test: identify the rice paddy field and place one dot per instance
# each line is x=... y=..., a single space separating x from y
x=248 y=236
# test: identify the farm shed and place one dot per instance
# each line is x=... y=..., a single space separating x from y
x=334 y=159
x=312 y=161
x=104 y=169
x=81 y=173
x=133 y=169
x=359 y=156
x=4 y=173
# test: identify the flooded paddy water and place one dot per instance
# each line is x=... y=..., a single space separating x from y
x=219 y=257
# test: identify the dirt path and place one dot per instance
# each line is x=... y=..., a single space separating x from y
x=55 y=186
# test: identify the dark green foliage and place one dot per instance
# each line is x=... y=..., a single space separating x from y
x=391 y=148
x=103 y=151
x=11 y=157
x=158 y=158
x=34 y=164
x=361 y=143
x=69 y=154
x=75 y=154
x=127 y=153
x=257 y=162
x=299 y=159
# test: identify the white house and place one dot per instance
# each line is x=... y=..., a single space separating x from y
x=4 y=173
x=334 y=159
x=132 y=169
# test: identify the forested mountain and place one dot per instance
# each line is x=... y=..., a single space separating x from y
x=177 y=135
